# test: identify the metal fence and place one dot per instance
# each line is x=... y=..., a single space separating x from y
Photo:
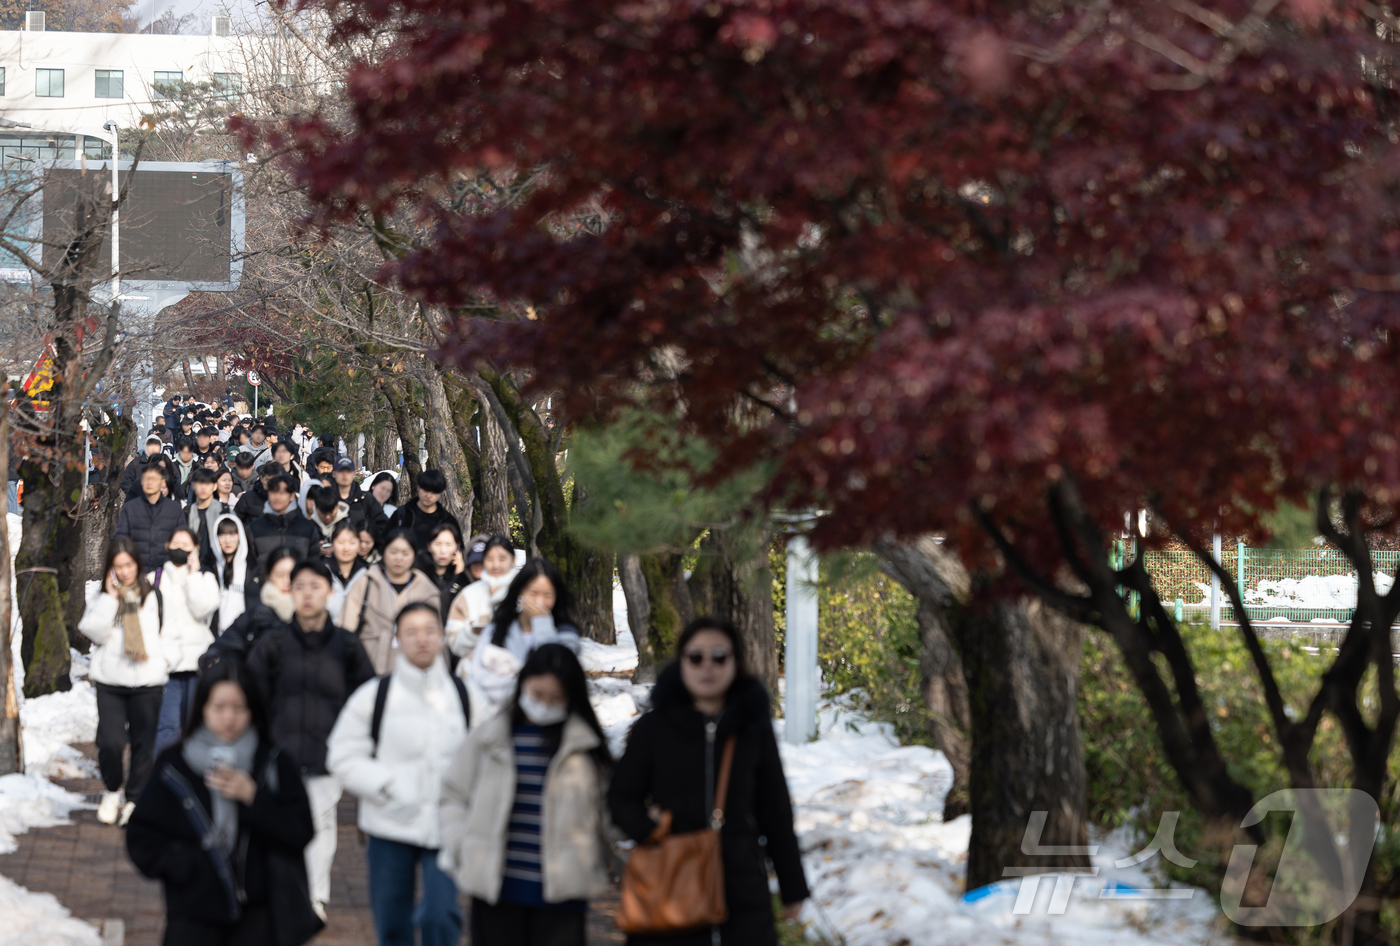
x=1278 y=585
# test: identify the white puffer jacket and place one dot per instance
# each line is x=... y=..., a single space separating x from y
x=190 y=598
x=472 y=610
x=109 y=663
x=422 y=728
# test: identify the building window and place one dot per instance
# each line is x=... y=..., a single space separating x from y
x=167 y=86
x=2 y=80
x=109 y=84
x=229 y=84
x=48 y=83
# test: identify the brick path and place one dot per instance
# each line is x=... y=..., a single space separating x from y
x=85 y=866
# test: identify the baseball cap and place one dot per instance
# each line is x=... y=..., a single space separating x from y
x=477 y=554
x=344 y=463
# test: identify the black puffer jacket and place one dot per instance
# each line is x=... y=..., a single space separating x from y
x=251 y=504
x=666 y=764
x=365 y=509
x=150 y=526
x=267 y=866
x=421 y=523
x=307 y=678
x=239 y=638
x=273 y=530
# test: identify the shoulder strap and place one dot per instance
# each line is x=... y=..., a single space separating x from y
x=726 y=766
x=466 y=700
x=376 y=721
x=160 y=607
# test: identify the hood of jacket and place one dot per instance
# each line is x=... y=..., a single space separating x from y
x=342 y=511
x=240 y=557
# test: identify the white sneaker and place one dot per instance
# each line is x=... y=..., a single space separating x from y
x=127 y=809
x=110 y=807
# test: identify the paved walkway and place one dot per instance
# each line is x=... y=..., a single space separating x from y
x=85 y=866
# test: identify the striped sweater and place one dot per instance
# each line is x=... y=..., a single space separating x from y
x=523 y=882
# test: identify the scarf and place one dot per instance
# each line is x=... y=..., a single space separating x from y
x=129 y=611
x=279 y=601
x=203 y=751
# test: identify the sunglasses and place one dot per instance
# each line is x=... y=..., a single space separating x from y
x=719 y=657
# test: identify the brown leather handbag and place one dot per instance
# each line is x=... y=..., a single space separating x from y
x=675 y=882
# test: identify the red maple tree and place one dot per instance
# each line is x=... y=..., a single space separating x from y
x=1000 y=270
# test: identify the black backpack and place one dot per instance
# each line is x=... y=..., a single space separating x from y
x=381 y=697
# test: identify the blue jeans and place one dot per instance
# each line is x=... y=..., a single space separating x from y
x=392 y=866
x=175 y=704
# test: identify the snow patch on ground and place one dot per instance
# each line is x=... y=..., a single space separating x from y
x=617 y=658
x=27 y=801
x=38 y=919
x=885 y=869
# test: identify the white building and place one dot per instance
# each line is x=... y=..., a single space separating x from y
x=60 y=82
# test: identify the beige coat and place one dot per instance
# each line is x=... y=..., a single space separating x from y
x=371 y=592
x=479 y=792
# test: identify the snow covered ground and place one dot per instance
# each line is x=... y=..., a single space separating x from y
x=886 y=870
x=51 y=724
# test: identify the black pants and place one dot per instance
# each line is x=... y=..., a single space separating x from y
x=254 y=928
x=746 y=927
x=509 y=924
x=126 y=714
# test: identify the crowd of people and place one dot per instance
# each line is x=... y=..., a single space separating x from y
x=271 y=631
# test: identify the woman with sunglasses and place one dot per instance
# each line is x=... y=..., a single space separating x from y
x=702 y=701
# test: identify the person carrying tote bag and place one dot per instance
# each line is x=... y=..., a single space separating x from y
x=706 y=743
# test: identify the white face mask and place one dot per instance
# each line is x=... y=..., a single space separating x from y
x=543 y=714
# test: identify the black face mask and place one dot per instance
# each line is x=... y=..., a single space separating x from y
x=178 y=556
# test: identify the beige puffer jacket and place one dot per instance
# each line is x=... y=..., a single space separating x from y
x=371 y=593
x=479 y=792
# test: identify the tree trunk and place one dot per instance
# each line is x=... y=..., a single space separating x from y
x=495 y=482
x=668 y=604
x=43 y=567
x=1022 y=666
x=941 y=585
x=189 y=378
x=442 y=440
x=634 y=590
x=11 y=744
x=403 y=424
x=733 y=582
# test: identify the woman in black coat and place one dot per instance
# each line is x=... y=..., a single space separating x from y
x=671 y=762
x=222 y=824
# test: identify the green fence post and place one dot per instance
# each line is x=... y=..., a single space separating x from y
x=1240 y=559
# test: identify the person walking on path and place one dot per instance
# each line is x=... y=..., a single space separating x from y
x=307 y=668
x=424 y=513
x=700 y=702
x=282 y=524
x=223 y=824
x=391 y=747
x=537 y=609
x=129 y=669
x=231 y=571
x=525 y=828
x=441 y=560
x=245 y=474
x=190 y=597
x=364 y=508
x=373 y=599
x=151 y=520
x=346 y=565
x=382 y=489
x=155 y=447
x=271 y=608
x=471 y=610
x=203 y=512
